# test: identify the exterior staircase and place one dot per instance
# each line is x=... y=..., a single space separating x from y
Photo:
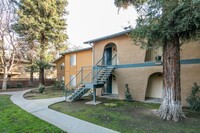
x=98 y=80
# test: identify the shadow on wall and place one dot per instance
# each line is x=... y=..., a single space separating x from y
x=154 y=87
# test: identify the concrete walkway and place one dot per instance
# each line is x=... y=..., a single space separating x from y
x=65 y=122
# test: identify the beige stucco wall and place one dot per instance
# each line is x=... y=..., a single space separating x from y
x=127 y=52
x=190 y=50
x=189 y=75
x=83 y=58
x=137 y=77
x=60 y=73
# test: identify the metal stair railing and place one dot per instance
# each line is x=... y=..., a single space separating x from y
x=68 y=89
x=80 y=76
x=91 y=77
x=99 y=68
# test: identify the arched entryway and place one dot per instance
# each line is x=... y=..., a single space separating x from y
x=110 y=58
x=154 y=87
x=110 y=54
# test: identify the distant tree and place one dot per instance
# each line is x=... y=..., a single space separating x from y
x=43 y=22
x=28 y=50
x=8 y=42
x=168 y=24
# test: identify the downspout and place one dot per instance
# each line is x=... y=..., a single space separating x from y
x=93 y=60
x=92 y=53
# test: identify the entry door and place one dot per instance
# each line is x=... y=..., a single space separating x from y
x=108 y=56
x=109 y=85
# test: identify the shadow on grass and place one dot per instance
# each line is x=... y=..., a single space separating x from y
x=128 y=117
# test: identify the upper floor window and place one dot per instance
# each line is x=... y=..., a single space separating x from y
x=63 y=78
x=151 y=54
x=73 y=80
x=62 y=66
x=73 y=60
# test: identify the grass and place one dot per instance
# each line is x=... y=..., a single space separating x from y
x=49 y=92
x=128 y=117
x=15 y=120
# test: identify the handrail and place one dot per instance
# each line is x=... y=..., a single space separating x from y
x=93 y=76
x=93 y=69
x=80 y=72
x=104 y=66
x=73 y=78
x=99 y=61
x=97 y=73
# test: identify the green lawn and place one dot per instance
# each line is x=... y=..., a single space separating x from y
x=15 y=120
x=129 y=117
x=49 y=92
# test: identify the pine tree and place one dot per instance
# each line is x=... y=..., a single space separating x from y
x=168 y=24
x=42 y=22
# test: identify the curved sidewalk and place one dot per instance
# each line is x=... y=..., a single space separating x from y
x=65 y=122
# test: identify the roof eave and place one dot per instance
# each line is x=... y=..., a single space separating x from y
x=107 y=37
x=73 y=51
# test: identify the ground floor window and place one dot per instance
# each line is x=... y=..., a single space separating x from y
x=73 y=80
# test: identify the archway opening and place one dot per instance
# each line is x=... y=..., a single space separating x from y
x=110 y=54
x=154 y=88
x=110 y=58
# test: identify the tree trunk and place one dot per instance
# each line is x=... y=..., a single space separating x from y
x=171 y=108
x=5 y=77
x=41 y=76
x=31 y=77
x=42 y=57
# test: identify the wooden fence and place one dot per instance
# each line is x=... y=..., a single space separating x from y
x=21 y=83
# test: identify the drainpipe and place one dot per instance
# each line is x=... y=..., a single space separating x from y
x=92 y=53
x=93 y=61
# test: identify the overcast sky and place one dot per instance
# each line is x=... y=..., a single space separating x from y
x=90 y=19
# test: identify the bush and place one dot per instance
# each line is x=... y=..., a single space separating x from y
x=41 y=88
x=8 y=86
x=59 y=85
x=128 y=96
x=19 y=85
x=194 y=98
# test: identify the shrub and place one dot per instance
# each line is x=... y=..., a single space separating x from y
x=194 y=98
x=8 y=86
x=128 y=96
x=59 y=85
x=41 y=88
x=19 y=85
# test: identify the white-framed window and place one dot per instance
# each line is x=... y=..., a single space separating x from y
x=63 y=78
x=73 y=59
x=73 y=80
x=62 y=66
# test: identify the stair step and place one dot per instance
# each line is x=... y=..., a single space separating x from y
x=102 y=81
x=100 y=76
x=78 y=94
x=104 y=73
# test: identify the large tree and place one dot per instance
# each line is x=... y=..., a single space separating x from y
x=43 y=22
x=8 y=41
x=168 y=24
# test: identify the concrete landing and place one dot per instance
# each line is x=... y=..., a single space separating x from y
x=93 y=103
